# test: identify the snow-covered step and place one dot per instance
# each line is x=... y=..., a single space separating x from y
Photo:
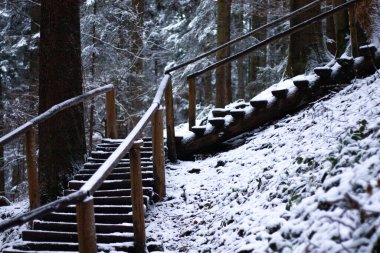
x=54 y=236
x=102 y=160
x=111 y=149
x=217 y=122
x=280 y=93
x=237 y=113
x=323 y=72
x=258 y=104
x=72 y=227
x=198 y=130
x=110 y=184
x=113 y=176
x=121 y=165
x=105 y=155
x=99 y=218
x=147 y=191
x=220 y=112
x=301 y=84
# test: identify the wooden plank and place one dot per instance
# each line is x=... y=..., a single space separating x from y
x=170 y=132
x=353 y=32
x=111 y=115
x=86 y=226
x=137 y=198
x=31 y=161
x=158 y=154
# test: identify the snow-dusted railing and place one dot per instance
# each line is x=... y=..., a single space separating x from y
x=292 y=30
x=83 y=197
x=28 y=130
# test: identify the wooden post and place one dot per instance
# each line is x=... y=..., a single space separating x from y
x=170 y=133
x=353 y=32
x=86 y=226
x=192 y=102
x=91 y=130
x=111 y=115
x=31 y=160
x=137 y=197
x=158 y=154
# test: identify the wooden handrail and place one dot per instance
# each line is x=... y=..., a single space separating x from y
x=104 y=170
x=53 y=111
x=270 y=24
x=288 y=32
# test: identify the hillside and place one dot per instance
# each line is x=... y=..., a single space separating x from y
x=307 y=183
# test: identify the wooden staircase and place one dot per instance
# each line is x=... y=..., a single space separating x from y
x=57 y=231
x=275 y=102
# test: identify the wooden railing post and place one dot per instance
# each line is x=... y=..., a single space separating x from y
x=192 y=101
x=111 y=130
x=86 y=226
x=170 y=132
x=158 y=154
x=353 y=31
x=31 y=160
x=91 y=130
x=137 y=197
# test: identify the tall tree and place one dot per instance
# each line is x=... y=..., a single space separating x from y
x=61 y=139
x=307 y=47
x=2 y=177
x=223 y=74
x=341 y=28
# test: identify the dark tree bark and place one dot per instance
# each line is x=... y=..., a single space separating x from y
x=223 y=74
x=240 y=62
x=341 y=28
x=61 y=139
x=307 y=46
x=2 y=177
x=35 y=15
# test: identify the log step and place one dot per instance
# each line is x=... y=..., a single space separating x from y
x=115 y=145
x=122 y=209
x=368 y=51
x=66 y=247
x=323 y=72
x=280 y=94
x=116 y=200
x=102 y=160
x=121 y=165
x=51 y=236
x=113 y=176
x=110 y=184
x=346 y=63
x=116 y=170
x=220 y=112
x=301 y=84
x=258 y=104
x=147 y=191
x=238 y=113
x=198 y=130
x=217 y=122
x=111 y=149
x=105 y=155
x=99 y=218
x=72 y=227
x=241 y=105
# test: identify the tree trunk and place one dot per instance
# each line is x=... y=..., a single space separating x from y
x=307 y=47
x=35 y=15
x=223 y=74
x=240 y=61
x=2 y=177
x=61 y=139
x=341 y=28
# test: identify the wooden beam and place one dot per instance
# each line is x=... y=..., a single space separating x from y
x=158 y=154
x=137 y=198
x=86 y=226
x=111 y=114
x=170 y=132
x=31 y=161
x=353 y=32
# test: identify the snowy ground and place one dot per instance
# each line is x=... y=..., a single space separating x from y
x=308 y=183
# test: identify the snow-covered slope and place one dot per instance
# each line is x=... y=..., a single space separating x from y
x=308 y=183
